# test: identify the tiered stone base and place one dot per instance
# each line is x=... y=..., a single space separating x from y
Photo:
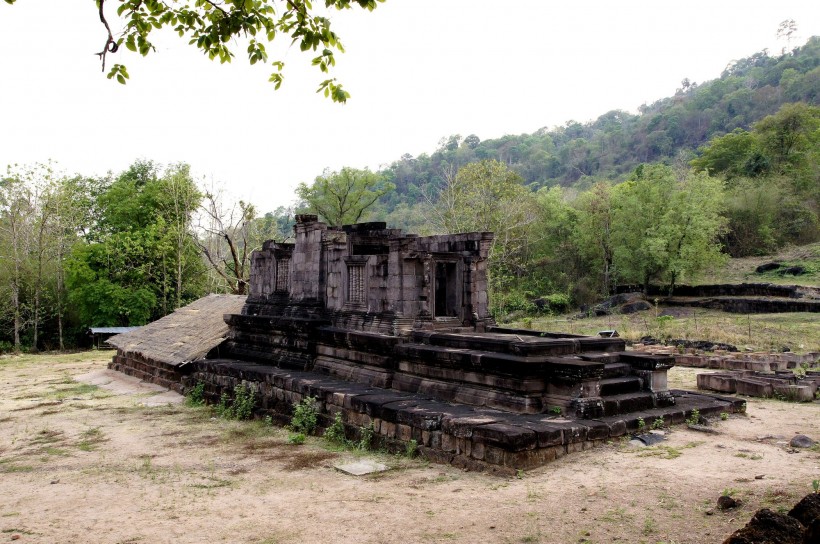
x=473 y=437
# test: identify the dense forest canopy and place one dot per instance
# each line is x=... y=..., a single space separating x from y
x=723 y=168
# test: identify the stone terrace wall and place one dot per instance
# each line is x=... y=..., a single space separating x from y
x=725 y=290
x=466 y=436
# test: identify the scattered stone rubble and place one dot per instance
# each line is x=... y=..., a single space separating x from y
x=789 y=376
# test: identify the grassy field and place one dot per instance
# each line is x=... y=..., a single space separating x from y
x=800 y=332
x=743 y=270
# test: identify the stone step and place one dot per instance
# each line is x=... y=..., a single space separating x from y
x=518 y=344
x=620 y=385
x=616 y=370
x=628 y=402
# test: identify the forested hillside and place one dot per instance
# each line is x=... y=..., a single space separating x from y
x=613 y=145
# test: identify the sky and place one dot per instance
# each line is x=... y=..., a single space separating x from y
x=417 y=71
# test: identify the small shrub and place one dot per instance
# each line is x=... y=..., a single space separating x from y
x=815 y=484
x=196 y=396
x=641 y=425
x=241 y=407
x=724 y=416
x=243 y=402
x=366 y=438
x=304 y=416
x=558 y=302
x=336 y=432
x=297 y=439
x=225 y=408
x=658 y=423
x=412 y=448
x=694 y=417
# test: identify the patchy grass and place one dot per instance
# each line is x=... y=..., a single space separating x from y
x=54 y=358
x=76 y=390
x=90 y=439
x=8 y=467
x=662 y=451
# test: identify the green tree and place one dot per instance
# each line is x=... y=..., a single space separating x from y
x=489 y=197
x=666 y=226
x=791 y=139
x=733 y=155
x=17 y=211
x=593 y=233
x=141 y=261
x=343 y=197
x=218 y=27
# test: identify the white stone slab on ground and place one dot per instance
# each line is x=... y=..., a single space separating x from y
x=361 y=467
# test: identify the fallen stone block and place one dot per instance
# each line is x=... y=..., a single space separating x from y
x=724 y=383
x=753 y=388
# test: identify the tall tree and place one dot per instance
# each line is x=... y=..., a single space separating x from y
x=141 y=261
x=594 y=234
x=343 y=197
x=17 y=210
x=487 y=196
x=665 y=226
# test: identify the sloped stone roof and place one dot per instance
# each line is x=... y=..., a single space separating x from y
x=186 y=335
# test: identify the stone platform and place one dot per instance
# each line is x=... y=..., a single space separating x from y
x=473 y=437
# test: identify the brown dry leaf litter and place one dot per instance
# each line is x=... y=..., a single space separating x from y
x=81 y=464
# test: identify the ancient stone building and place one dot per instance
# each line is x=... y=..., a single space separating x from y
x=392 y=331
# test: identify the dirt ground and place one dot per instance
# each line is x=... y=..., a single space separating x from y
x=83 y=463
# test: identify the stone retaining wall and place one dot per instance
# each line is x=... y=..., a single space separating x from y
x=169 y=376
x=467 y=436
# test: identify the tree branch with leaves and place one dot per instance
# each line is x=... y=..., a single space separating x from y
x=213 y=26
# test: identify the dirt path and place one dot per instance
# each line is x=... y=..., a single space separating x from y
x=79 y=463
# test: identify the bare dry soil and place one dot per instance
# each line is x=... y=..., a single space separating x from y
x=117 y=462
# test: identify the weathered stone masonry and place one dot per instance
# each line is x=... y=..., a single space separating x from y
x=393 y=332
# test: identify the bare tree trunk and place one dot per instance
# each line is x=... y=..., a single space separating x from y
x=15 y=301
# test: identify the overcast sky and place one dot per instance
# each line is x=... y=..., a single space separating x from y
x=418 y=70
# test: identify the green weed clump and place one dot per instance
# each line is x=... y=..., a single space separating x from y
x=694 y=417
x=196 y=396
x=336 y=432
x=304 y=418
x=241 y=407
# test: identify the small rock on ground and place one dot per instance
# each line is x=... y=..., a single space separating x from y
x=801 y=441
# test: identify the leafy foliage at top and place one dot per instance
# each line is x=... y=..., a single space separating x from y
x=342 y=198
x=213 y=26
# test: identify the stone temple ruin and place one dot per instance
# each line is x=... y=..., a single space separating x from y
x=392 y=330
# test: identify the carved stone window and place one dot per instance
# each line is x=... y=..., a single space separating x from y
x=282 y=275
x=355 y=283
